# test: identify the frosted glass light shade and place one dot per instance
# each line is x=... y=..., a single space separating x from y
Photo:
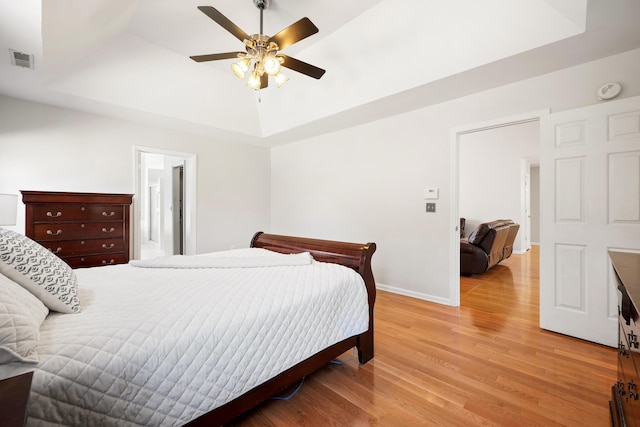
x=240 y=68
x=271 y=66
x=254 y=81
x=280 y=79
x=8 y=209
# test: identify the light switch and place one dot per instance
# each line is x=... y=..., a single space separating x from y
x=431 y=193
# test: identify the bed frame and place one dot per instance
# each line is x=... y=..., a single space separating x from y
x=353 y=255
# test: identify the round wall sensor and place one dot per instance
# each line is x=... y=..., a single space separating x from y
x=609 y=91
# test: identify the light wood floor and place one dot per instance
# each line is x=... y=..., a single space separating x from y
x=484 y=363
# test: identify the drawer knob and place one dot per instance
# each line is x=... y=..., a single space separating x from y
x=633 y=391
x=620 y=388
x=111 y=230
x=57 y=251
x=622 y=350
x=51 y=233
x=105 y=262
x=105 y=246
x=108 y=213
x=633 y=339
x=52 y=215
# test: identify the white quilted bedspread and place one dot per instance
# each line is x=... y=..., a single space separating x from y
x=162 y=346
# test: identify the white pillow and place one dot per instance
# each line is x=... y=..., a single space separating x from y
x=21 y=315
x=36 y=269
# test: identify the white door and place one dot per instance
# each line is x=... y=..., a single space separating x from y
x=590 y=203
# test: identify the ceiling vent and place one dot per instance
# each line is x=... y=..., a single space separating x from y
x=20 y=59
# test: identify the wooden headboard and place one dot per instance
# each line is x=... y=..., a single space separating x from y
x=353 y=255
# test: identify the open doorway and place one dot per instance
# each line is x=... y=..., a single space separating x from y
x=520 y=211
x=495 y=174
x=164 y=215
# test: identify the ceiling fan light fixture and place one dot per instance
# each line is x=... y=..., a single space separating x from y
x=241 y=67
x=263 y=52
x=280 y=79
x=271 y=65
x=254 y=81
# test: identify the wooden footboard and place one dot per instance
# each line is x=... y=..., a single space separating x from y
x=354 y=255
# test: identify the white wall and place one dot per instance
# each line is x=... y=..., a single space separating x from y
x=50 y=148
x=366 y=183
x=490 y=175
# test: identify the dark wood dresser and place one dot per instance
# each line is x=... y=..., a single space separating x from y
x=624 y=405
x=84 y=229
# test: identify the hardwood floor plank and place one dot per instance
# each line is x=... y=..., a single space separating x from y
x=485 y=363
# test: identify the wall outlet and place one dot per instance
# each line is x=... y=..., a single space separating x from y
x=431 y=207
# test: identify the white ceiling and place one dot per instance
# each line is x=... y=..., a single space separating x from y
x=130 y=58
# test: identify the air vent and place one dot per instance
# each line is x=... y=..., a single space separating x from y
x=20 y=59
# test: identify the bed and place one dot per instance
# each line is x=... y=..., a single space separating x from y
x=237 y=328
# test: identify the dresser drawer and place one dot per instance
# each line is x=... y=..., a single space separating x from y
x=96 y=260
x=88 y=230
x=627 y=389
x=64 y=248
x=626 y=357
x=69 y=212
x=630 y=340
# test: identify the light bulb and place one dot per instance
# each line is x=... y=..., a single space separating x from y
x=254 y=81
x=280 y=79
x=271 y=65
x=240 y=68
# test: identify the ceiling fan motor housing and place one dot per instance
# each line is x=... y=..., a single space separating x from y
x=261 y=4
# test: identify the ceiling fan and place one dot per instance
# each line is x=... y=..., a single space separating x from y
x=263 y=52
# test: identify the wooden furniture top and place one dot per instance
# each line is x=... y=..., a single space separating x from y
x=68 y=197
x=627 y=267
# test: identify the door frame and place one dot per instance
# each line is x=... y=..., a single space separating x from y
x=454 y=220
x=177 y=194
x=189 y=195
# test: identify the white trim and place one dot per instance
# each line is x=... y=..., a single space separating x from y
x=454 y=220
x=418 y=295
x=190 y=174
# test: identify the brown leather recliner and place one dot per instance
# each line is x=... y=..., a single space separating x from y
x=489 y=244
x=511 y=237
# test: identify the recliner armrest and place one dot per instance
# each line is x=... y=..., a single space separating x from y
x=469 y=248
x=473 y=260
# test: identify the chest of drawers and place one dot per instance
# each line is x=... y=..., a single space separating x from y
x=84 y=229
x=625 y=405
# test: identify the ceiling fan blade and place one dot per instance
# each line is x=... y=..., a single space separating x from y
x=224 y=22
x=215 y=56
x=294 y=33
x=264 y=81
x=302 y=67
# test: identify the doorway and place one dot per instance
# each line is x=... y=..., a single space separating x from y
x=164 y=212
x=524 y=210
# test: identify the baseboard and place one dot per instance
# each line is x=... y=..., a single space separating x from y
x=412 y=294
